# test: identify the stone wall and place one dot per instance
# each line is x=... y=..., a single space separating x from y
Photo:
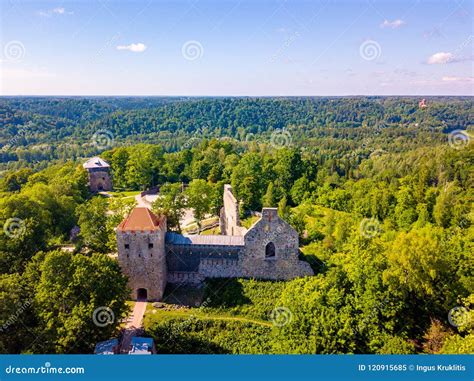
x=229 y=218
x=145 y=266
x=184 y=277
x=189 y=257
x=220 y=268
x=99 y=180
x=250 y=260
x=272 y=230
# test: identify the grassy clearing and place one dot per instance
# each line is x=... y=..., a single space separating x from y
x=208 y=223
x=242 y=297
x=233 y=318
x=249 y=221
x=212 y=231
x=157 y=315
x=122 y=194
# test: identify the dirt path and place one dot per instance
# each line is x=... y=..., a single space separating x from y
x=142 y=202
x=133 y=326
x=138 y=312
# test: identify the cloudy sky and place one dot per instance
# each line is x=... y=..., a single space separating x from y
x=232 y=47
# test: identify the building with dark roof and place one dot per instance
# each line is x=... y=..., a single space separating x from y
x=98 y=171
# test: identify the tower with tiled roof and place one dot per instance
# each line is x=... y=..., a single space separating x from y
x=141 y=253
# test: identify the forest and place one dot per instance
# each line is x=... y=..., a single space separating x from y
x=379 y=189
x=38 y=130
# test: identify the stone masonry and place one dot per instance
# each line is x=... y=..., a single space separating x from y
x=267 y=250
x=230 y=216
x=141 y=253
x=98 y=171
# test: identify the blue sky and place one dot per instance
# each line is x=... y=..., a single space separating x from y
x=203 y=47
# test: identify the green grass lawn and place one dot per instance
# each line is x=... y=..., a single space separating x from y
x=125 y=193
x=212 y=231
x=156 y=315
x=234 y=317
x=249 y=221
x=205 y=225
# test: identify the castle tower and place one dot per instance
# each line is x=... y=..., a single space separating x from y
x=141 y=253
x=99 y=174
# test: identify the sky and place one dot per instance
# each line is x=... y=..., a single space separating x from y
x=236 y=48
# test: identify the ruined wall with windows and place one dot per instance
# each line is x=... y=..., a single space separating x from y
x=271 y=250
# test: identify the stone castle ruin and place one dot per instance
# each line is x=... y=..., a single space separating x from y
x=151 y=257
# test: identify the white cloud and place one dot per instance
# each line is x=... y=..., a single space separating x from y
x=458 y=79
x=444 y=82
x=137 y=48
x=55 y=11
x=392 y=24
x=440 y=58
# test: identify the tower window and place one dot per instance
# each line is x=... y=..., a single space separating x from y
x=127 y=246
x=270 y=250
x=150 y=245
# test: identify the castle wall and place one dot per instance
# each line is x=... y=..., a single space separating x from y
x=284 y=264
x=190 y=257
x=229 y=218
x=220 y=268
x=99 y=180
x=177 y=277
x=268 y=250
x=144 y=266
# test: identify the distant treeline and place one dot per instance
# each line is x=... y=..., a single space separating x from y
x=35 y=130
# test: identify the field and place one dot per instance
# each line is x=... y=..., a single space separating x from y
x=234 y=317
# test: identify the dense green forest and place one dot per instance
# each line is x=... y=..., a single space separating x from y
x=380 y=191
x=37 y=130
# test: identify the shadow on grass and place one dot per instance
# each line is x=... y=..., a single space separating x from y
x=183 y=295
x=224 y=292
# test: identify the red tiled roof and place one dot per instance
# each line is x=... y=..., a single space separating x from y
x=141 y=219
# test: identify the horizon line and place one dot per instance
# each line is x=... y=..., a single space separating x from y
x=227 y=96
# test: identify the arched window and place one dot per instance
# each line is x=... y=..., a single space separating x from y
x=270 y=250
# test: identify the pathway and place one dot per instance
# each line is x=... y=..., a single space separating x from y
x=133 y=326
x=142 y=202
